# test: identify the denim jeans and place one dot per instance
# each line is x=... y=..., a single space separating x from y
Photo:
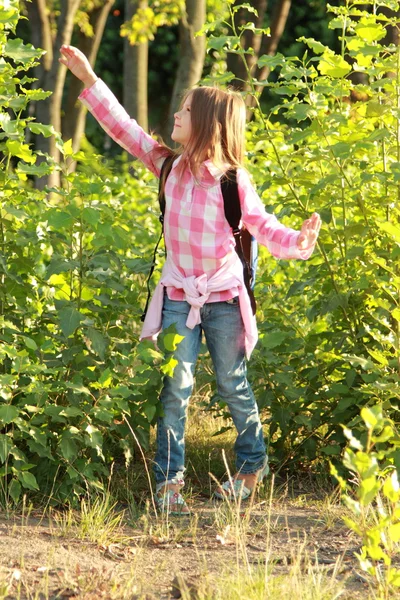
x=223 y=328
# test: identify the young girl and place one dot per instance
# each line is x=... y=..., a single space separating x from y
x=201 y=287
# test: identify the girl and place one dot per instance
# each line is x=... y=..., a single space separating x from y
x=201 y=287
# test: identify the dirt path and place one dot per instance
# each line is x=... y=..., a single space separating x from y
x=43 y=561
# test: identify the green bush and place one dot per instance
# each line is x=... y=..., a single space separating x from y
x=374 y=504
x=73 y=378
x=329 y=328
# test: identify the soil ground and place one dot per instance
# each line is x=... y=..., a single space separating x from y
x=42 y=560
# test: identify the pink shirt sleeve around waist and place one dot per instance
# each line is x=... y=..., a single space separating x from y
x=280 y=240
x=116 y=122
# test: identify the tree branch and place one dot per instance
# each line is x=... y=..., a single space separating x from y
x=74 y=122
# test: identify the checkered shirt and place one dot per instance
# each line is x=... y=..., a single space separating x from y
x=197 y=235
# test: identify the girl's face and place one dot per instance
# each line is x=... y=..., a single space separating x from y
x=183 y=124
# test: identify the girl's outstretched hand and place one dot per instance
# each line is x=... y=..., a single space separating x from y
x=309 y=232
x=78 y=64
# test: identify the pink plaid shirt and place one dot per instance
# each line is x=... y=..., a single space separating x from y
x=198 y=237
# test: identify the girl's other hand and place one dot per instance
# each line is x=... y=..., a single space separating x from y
x=309 y=232
x=78 y=64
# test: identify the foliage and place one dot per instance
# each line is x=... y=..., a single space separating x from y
x=73 y=378
x=329 y=328
x=147 y=20
x=375 y=509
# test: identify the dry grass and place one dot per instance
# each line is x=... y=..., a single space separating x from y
x=275 y=546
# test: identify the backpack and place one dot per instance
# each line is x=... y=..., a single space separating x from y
x=245 y=243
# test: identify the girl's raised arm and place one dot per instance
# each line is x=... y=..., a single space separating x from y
x=281 y=241
x=106 y=109
x=78 y=64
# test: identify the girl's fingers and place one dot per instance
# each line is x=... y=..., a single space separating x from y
x=309 y=231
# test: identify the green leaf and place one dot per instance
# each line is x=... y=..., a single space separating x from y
x=360 y=361
x=98 y=342
x=333 y=65
x=391 y=229
x=105 y=380
x=384 y=436
x=223 y=41
x=394 y=532
x=391 y=488
x=34 y=95
x=149 y=410
x=91 y=215
x=272 y=340
x=39 y=128
x=368 y=490
x=66 y=147
x=302 y=111
x=9 y=16
x=69 y=318
x=171 y=341
x=59 y=265
x=20 y=52
x=77 y=387
x=372 y=416
x=28 y=480
x=271 y=61
x=369 y=30
x=30 y=343
x=95 y=438
x=68 y=447
x=14 y=489
x=21 y=151
x=42 y=451
x=5 y=447
x=39 y=170
x=59 y=219
x=247 y=6
x=8 y=413
x=168 y=367
x=315 y=46
x=72 y=411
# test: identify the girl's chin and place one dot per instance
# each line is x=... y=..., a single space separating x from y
x=176 y=139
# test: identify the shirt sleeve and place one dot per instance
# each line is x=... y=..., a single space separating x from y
x=116 y=122
x=280 y=240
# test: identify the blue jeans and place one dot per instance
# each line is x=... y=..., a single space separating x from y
x=224 y=333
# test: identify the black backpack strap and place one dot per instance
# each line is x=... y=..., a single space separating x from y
x=165 y=171
x=233 y=214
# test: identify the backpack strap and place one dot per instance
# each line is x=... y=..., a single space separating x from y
x=243 y=238
x=165 y=170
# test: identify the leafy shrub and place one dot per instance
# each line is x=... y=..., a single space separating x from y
x=329 y=328
x=73 y=377
x=374 y=504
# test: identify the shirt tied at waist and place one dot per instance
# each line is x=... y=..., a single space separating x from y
x=197 y=291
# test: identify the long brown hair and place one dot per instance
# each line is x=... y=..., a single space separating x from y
x=218 y=120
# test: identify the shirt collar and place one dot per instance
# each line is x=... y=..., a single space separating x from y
x=215 y=172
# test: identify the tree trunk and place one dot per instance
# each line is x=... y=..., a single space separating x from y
x=74 y=121
x=250 y=39
x=270 y=44
x=136 y=71
x=192 y=52
x=261 y=44
x=52 y=74
x=392 y=31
